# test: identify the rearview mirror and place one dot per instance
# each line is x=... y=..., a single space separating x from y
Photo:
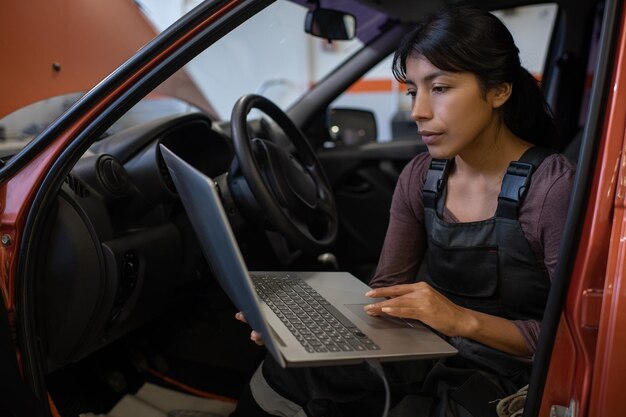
x=330 y=24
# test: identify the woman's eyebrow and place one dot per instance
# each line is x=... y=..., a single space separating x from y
x=436 y=74
x=429 y=77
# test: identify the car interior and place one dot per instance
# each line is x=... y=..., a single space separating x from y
x=119 y=292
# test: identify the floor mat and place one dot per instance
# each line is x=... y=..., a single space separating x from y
x=155 y=401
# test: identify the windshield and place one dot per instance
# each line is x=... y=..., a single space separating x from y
x=270 y=54
x=280 y=65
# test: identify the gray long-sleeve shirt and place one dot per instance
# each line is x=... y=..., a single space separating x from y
x=541 y=216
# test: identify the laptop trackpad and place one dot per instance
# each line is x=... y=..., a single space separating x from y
x=380 y=322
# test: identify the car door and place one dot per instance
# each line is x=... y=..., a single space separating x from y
x=363 y=177
x=584 y=370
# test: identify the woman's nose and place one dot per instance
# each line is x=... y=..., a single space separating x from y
x=421 y=109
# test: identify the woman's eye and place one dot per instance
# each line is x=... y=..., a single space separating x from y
x=439 y=89
x=411 y=94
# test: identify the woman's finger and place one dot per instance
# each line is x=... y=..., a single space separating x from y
x=393 y=291
x=405 y=312
x=372 y=309
x=256 y=337
x=239 y=316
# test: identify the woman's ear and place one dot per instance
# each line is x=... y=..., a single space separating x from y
x=499 y=94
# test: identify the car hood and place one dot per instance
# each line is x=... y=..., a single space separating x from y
x=68 y=46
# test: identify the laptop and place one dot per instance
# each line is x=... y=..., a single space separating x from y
x=328 y=326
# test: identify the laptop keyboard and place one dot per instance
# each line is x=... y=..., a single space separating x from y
x=314 y=322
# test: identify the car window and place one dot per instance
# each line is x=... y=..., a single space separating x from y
x=378 y=92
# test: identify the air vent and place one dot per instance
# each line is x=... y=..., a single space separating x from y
x=76 y=186
x=113 y=176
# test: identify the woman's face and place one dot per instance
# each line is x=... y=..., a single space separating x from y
x=452 y=113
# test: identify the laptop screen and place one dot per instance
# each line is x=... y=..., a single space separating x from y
x=201 y=200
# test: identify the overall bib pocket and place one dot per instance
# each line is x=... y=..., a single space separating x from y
x=470 y=272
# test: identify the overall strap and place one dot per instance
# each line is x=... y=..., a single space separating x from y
x=516 y=181
x=436 y=177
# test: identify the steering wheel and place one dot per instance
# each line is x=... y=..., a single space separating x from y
x=288 y=183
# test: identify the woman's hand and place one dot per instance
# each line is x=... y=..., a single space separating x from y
x=422 y=302
x=254 y=335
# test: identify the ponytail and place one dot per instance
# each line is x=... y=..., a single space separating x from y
x=527 y=114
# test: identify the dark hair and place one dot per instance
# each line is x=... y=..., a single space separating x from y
x=465 y=39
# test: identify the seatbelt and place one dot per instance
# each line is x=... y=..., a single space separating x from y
x=16 y=400
x=516 y=181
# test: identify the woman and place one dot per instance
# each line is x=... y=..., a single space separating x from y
x=474 y=231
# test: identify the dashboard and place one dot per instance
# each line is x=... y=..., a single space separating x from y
x=119 y=249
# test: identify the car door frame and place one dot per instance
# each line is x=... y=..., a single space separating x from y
x=582 y=316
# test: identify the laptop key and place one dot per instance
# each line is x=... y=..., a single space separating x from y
x=344 y=346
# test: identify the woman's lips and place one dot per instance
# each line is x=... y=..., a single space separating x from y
x=429 y=137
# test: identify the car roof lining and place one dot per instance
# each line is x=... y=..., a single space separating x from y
x=413 y=11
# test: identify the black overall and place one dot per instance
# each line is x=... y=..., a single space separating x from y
x=486 y=266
